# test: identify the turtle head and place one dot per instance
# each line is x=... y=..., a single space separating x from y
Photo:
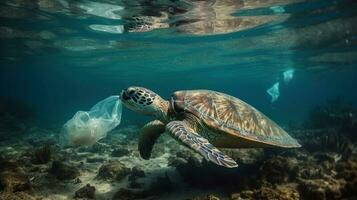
x=142 y=100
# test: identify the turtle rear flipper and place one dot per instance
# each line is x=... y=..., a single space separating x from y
x=181 y=131
x=148 y=136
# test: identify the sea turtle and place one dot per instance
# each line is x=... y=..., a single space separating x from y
x=204 y=121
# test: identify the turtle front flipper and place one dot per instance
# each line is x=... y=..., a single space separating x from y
x=181 y=131
x=148 y=136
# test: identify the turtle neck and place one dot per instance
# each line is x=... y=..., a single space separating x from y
x=162 y=110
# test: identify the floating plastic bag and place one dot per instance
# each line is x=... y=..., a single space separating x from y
x=288 y=75
x=87 y=127
x=274 y=92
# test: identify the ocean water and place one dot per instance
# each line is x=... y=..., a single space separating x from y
x=285 y=58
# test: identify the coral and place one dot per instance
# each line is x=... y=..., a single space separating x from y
x=42 y=155
x=281 y=192
x=348 y=171
x=16 y=196
x=321 y=188
x=309 y=171
x=87 y=191
x=12 y=177
x=279 y=169
x=14 y=182
x=113 y=170
x=63 y=171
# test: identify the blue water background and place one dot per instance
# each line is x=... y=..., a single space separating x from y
x=57 y=82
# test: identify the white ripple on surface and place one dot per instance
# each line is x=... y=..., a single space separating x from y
x=101 y=9
x=115 y=29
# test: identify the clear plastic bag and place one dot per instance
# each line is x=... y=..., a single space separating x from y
x=274 y=92
x=87 y=127
x=288 y=75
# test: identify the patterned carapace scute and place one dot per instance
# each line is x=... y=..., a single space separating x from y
x=233 y=116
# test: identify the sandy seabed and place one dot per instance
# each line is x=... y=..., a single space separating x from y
x=36 y=167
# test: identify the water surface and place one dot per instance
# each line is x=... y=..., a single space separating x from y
x=63 y=56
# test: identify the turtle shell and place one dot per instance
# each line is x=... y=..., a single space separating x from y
x=224 y=113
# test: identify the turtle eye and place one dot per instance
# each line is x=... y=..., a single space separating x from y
x=131 y=92
x=125 y=96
